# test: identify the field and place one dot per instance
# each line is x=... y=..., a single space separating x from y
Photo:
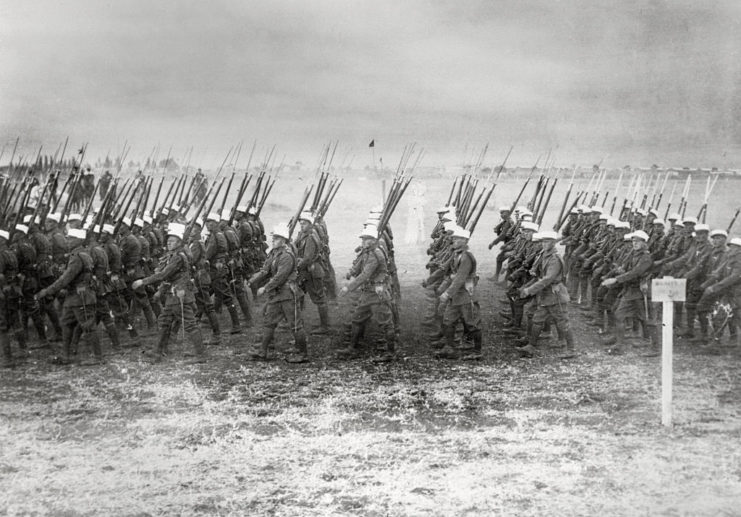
x=414 y=437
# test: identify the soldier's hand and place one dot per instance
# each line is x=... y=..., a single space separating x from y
x=491 y=245
x=40 y=295
x=524 y=293
x=114 y=278
x=137 y=284
x=609 y=282
x=343 y=291
x=444 y=298
x=424 y=283
x=261 y=291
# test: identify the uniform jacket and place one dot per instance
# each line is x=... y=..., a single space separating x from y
x=280 y=268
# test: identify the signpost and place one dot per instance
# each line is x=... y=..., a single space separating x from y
x=667 y=290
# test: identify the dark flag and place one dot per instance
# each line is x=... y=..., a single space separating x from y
x=373 y=143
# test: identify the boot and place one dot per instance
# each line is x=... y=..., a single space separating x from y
x=617 y=341
x=94 y=341
x=448 y=351
x=198 y=355
x=300 y=354
x=352 y=349
x=112 y=332
x=323 y=327
x=702 y=339
x=244 y=304
x=38 y=324
x=475 y=353
x=262 y=353
x=53 y=316
x=236 y=329
x=149 y=316
x=529 y=350
x=570 y=350
x=214 y=324
x=654 y=349
x=160 y=352
x=388 y=355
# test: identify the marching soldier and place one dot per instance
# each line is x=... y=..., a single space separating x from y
x=283 y=296
x=10 y=300
x=177 y=291
x=551 y=296
x=44 y=274
x=310 y=269
x=504 y=235
x=202 y=281
x=725 y=283
x=705 y=277
x=131 y=265
x=235 y=269
x=370 y=276
x=458 y=299
x=632 y=299
x=117 y=296
x=78 y=308
x=217 y=255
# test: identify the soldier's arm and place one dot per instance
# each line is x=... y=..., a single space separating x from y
x=638 y=271
x=310 y=252
x=172 y=267
x=285 y=268
x=371 y=263
x=552 y=275
x=71 y=271
x=733 y=277
x=459 y=280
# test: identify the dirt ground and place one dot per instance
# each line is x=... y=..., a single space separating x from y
x=414 y=437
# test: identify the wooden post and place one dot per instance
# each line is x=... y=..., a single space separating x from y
x=667 y=345
x=667 y=290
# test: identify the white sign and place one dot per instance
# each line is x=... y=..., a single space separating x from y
x=668 y=289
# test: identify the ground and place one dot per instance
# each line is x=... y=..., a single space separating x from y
x=414 y=437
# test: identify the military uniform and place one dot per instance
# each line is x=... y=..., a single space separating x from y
x=10 y=302
x=311 y=271
x=177 y=291
x=131 y=265
x=45 y=276
x=283 y=299
x=217 y=255
x=202 y=293
x=370 y=276
x=79 y=304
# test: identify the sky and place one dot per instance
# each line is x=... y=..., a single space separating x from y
x=624 y=83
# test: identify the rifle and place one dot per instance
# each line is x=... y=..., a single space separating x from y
x=264 y=197
x=156 y=197
x=566 y=198
x=475 y=221
x=323 y=209
x=119 y=219
x=452 y=189
x=517 y=199
x=24 y=197
x=242 y=189
x=735 y=216
x=540 y=216
x=226 y=194
x=294 y=220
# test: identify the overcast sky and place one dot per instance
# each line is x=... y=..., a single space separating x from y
x=638 y=82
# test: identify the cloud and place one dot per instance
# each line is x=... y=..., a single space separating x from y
x=638 y=80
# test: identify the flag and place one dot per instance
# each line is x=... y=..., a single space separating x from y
x=373 y=143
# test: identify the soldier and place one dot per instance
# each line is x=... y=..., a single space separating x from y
x=458 y=299
x=725 y=283
x=504 y=235
x=78 y=308
x=551 y=296
x=330 y=279
x=10 y=300
x=283 y=296
x=59 y=249
x=102 y=286
x=202 y=281
x=117 y=296
x=311 y=270
x=27 y=265
x=131 y=265
x=695 y=271
x=44 y=273
x=370 y=275
x=632 y=302
x=704 y=276
x=177 y=291
x=236 y=267
x=217 y=255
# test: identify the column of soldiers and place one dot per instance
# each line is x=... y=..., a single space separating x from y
x=606 y=272
x=107 y=274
